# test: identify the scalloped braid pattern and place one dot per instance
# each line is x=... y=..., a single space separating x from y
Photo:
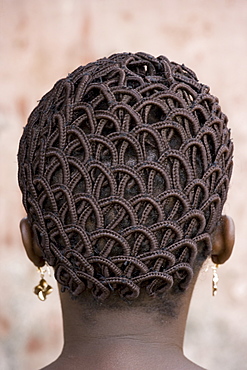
x=124 y=168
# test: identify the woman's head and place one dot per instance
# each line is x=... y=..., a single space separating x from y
x=124 y=168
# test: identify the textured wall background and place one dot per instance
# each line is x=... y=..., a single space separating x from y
x=42 y=41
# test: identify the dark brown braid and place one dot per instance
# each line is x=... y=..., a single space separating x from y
x=124 y=167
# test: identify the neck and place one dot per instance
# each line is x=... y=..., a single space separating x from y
x=121 y=327
x=130 y=338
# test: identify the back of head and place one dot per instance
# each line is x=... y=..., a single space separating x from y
x=124 y=168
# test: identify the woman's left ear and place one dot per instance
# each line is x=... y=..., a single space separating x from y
x=33 y=251
x=223 y=240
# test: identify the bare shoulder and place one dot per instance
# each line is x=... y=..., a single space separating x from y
x=193 y=366
x=61 y=364
x=71 y=364
x=56 y=366
x=48 y=367
x=53 y=366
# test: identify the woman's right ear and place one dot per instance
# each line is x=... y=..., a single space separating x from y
x=33 y=251
x=223 y=240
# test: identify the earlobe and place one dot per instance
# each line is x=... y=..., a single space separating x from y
x=223 y=240
x=32 y=250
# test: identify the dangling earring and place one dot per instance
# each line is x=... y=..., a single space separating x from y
x=215 y=280
x=43 y=288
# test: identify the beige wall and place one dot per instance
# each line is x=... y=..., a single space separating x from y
x=43 y=40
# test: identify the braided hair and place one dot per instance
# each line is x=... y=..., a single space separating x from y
x=124 y=168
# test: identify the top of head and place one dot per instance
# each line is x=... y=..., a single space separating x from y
x=124 y=167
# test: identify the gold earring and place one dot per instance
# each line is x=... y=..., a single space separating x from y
x=215 y=280
x=43 y=288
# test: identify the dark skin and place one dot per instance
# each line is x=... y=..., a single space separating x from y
x=132 y=339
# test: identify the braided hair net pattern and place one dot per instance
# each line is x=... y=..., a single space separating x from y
x=124 y=168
